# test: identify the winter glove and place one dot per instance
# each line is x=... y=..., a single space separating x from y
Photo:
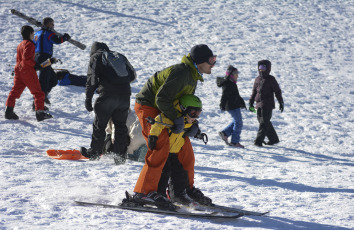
x=54 y=60
x=281 y=106
x=193 y=130
x=88 y=104
x=152 y=142
x=36 y=67
x=201 y=136
x=178 y=125
x=251 y=108
x=66 y=37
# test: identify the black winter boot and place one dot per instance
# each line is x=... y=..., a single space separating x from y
x=9 y=113
x=198 y=196
x=34 y=107
x=42 y=115
x=89 y=153
x=179 y=197
x=119 y=158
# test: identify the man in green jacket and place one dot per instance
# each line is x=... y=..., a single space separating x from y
x=157 y=96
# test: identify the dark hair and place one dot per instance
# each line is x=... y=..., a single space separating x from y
x=26 y=32
x=47 y=20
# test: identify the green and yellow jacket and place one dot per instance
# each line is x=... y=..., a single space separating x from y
x=170 y=84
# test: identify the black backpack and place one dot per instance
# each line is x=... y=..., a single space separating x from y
x=124 y=70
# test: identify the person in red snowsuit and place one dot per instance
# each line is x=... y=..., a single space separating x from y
x=26 y=76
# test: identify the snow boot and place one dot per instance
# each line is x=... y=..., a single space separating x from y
x=9 y=113
x=119 y=158
x=181 y=198
x=34 y=107
x=257 y=143
x=90 y=153
x=198 y=196
x=271 y=142
x=42 y=115
x=154 y=198
x=224 y=137
x=237 y=145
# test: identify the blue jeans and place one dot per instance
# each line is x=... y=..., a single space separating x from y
x=235 y=127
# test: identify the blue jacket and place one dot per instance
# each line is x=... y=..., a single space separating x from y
x=44 y=40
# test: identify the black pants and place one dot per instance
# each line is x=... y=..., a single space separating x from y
x=173 y=170
x=47 y=77
x=266 y=128
x=115 y=107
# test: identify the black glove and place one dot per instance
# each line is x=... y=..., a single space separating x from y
x=88 y=104
x=37 y=67
x=281 y=107
x=178 y=125
x=152 y=142
x=66 y=37
x=193 y=130
x=53 y=60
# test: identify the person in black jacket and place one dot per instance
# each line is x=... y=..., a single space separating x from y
x=232 y=102
x=264 y=88
x=113 y=102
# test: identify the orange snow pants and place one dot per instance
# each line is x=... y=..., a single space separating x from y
x=155 y=159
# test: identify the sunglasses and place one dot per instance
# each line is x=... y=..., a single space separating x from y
x=194 y=112
x=212 y=60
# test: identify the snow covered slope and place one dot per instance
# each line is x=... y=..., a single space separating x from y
x=306 y=181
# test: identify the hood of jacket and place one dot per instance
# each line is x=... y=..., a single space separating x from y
x=220 y=81
x=98 y=46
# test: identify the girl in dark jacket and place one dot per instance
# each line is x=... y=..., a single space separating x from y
x=232 y=102
x=264 y=88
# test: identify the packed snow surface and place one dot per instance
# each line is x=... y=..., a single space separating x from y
x=306 y=181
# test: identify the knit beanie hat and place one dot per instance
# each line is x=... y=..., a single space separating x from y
x=201 y=53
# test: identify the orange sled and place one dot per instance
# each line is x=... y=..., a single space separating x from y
x=65 y=154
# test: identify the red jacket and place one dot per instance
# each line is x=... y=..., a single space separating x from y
x=25 y=58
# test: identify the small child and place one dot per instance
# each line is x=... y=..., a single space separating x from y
x=232 y=102
x=264 y=88
x=190 y=107
x=26 y=76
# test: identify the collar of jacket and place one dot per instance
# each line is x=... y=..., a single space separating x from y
x=195 y=73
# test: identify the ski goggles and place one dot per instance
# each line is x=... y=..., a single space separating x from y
x=193 y=112
x=262 y=67
x=212 y=60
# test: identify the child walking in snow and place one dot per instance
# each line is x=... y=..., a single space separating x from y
x=26 y=76
x=232 y=102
